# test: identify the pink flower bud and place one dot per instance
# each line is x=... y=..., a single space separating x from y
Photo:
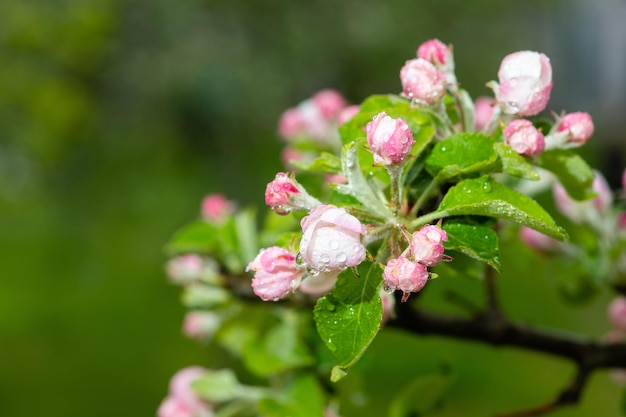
x=624 y=180
x=200 y=325
x=276 y=273
x=537 y=240
x=188 y=268
x=578 y=128
x=524 y=138
x=405 y=275
x=180 y=388
x=284 y=194
x=426 y=245
x=435 y=52
x=525 y=83
x=330 y=103
x=331 y=239
x=483 y=110
x=422 y=82
x=616 y=313
x=173 y=407
x=290 y=124
x=604 y=199
x=389 y=139
x=348 y=113
x=216 y=208
x=320 y=283
x=573 y=210
x=587 y=210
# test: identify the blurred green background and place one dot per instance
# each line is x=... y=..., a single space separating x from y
x=117 y=117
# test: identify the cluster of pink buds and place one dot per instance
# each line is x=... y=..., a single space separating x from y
x=182 y=401
x=408 y=273
x=331 y=242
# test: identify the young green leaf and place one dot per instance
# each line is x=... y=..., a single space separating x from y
x=571 y=170
x=349 y=317
x=303 y=398
x=513 y=163
x=326 y=162
x=478 y=242
x=460 y=155
x=486 y=197
x=421 y=396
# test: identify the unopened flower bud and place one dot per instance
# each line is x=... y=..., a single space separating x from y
x=330 y=103
x=276 y=273
x=216 y=208
x=201 y=325
x=189 y=268
x=173 y=407
x=435 y=51
x=616 y=313
x=422 y=82
x=537 y=240
x=525 y=83
x=290 y=124
x=331 y=239
x=427 y=245
x=524 y=138
x=285 y=194
x=604 y=199
x=180 y=388
x=389 y=139
x=483 y=110
x=405 y=275
x=577 y=126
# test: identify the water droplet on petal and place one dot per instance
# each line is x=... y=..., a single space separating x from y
x=341 y=257
x=389 y=289
x=334 y=245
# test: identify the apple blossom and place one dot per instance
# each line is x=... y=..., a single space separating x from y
x=524 y=138
x=174 y=407
x=276 y=273
x=331 y=239
x=537 y=240
x=525 y=83
x=587 y=210
x=185 y=269
x=422 y=82
x=405 y=275
x=427 y=245
x=389 y=139
x=330 y=103
x=577 y=126
x=483 y=111
x=435 y=51
x=216 y=208
x=201 y=325
x=347 y=113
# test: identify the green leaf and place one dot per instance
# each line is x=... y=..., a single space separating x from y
x=478 y=242
x=460 y=155
x=303 y=398
x=326 y=162
x=278 y=349
x=222 y=385
x=486 y=197
x=571 y=170
x=205 y=296
x=199 y=236
x=349 y=317
x=515 y=164
x=422 y=395
x=247 y=239
x=397 y=107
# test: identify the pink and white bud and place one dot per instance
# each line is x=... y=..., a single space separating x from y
x=285 y=194
x=348 y=113
x=435 y=52
x=331 y=239
x=616 y=313
x=276 y=273
x=389 y=139
x=201 y=325
x=319 y=284
x=524 y=138
x=537 y=240
x=525 y=83
x=587 y=210
x=330 y=103
x=180 y=388
x=422 y=82
x=578 y=128
x=216 y=208
x=427 y=245
x=483 y=111
x=189 y=268
x=604 y=199
x=573 y=210
x=405 y=275
x=291 y=124
x=174 y=407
